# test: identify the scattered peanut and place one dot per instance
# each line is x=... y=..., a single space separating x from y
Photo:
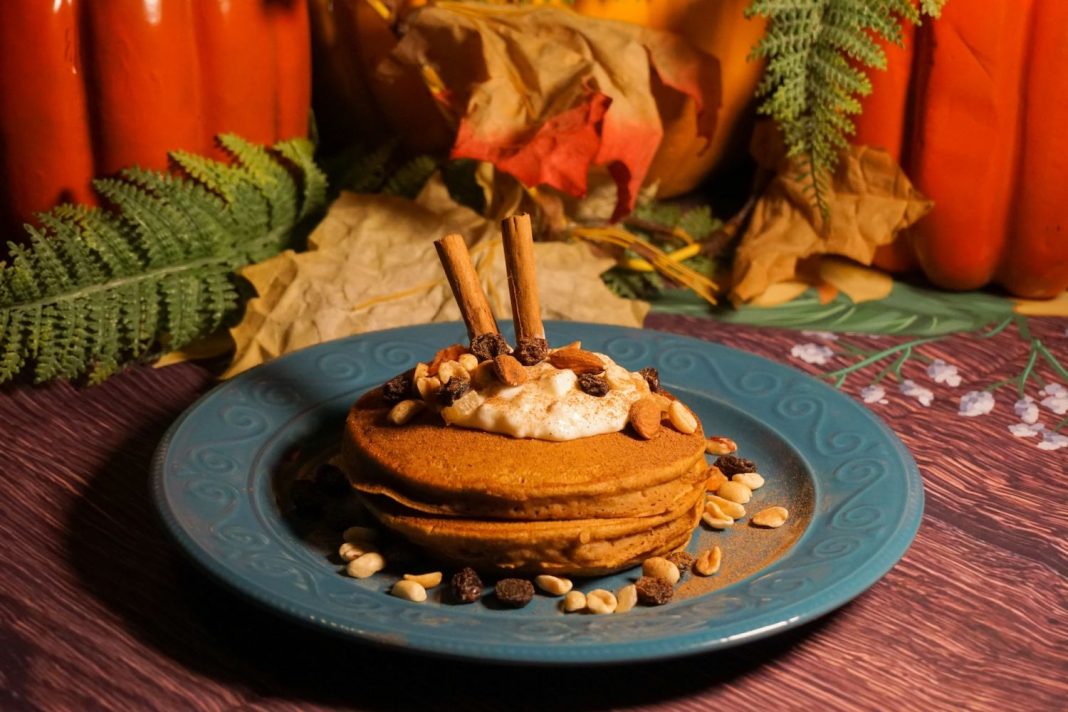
x=771 y=518
x=404 y=411
x=731 y=509
x=714 y=478
x=366 y=565
x=553 y=585
x=716 y=511
x=573 y=601
x=715 y=522
x=708 y=561
x=720 y=446
x=409 y=590
x=661 y=568
x=752 y=480
x=429 y=580
x=449 y=370
x=483 y=375
x=469 y=362
x=681 y=418
x=618 y=380
x=421 y=371
x=428 y=387
x=735 y=492
x=626 y=598
x=350 y=551
x=601 y=601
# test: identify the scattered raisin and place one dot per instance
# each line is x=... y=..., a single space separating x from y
x=453 y=391
x=681 y=559
x=731 y=465
x=331 y=481
x=653 y=591
x=398 y=388
x=531 y=350
x=465 y=586
x=652 y=377
x=489 y=346
x=514 y=592
x=594 y=384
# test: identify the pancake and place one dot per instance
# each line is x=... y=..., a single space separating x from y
x=583 y=547
x=435 y=469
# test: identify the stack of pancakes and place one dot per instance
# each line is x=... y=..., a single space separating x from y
x=472 y=498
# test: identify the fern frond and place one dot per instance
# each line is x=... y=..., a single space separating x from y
x=97 y=287
x=410 y=178
x=809 y=86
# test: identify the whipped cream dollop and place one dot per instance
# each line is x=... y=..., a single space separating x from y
x=550 y=405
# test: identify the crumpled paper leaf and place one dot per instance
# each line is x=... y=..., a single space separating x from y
x=371 y=265
x=870 y=200
x=545 y=93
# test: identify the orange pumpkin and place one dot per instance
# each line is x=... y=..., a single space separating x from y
x=88 y=88
x=352 y=39
x=975 y=110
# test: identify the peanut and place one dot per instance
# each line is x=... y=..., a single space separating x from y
x=429 y=580
x=661 y=568
x=716 y=511
x=404 y=411
x=350 y=551
x=626 y=598
x=720 y=446
x=449 y=370
x=601 y=601
x=682 y=419
x=752 y=480
x=708 y=561
x=731 y=509
x=409 y=590
x=421 y=371
x=553 y=585
x=469 y=362
x=484 y=375
x=735 y=492
x=719 y=523
x=428 y=387
x=573 y=601
x=366 y=565
x=771 y=518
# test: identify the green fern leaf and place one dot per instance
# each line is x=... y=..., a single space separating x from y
x=98 y=287
x=809 y=87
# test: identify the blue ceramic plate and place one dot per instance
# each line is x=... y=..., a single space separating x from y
x=854 y=493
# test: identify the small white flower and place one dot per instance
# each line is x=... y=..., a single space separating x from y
x=942 y=372
x=1023 y=430
x=822 y=335
x=812 y=353
x=1026 y=410
x=1056 y=403
x=1053 y=389
x=913 y=389
x=1053 y=441
x=874 y=394
x=976 y=403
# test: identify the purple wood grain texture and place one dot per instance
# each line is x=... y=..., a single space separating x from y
x=98 y=610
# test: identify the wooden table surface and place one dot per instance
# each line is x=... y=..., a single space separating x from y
x=99 y=610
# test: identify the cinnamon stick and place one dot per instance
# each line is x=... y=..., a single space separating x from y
x=522 y=280
x=466 y=289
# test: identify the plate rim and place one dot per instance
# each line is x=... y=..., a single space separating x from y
x=872 y=569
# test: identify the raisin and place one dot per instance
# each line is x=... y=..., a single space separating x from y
x=514 y=593
x=732 y=465
x=652 y=377
x=465 y=586
x=398 y=388
x=653 y=591
x=531 y=350
x=681 y=559
x=453 y=391
x=487 y=347
x=594 y=384
x=331 y=481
